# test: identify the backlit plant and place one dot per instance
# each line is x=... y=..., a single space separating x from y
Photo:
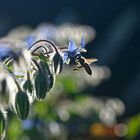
x=28 y=70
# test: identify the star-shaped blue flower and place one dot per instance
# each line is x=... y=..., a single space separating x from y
x=73 y=50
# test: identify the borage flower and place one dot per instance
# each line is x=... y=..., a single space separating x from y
x=73 y=51
x=74 y=57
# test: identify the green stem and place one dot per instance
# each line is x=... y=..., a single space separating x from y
x=17 y=84
x=28 y=75
x=43 y=40
x=37 y=65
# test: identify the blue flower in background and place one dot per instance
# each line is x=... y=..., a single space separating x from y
x=29 y=41
x=5 y=52
x=27 y=124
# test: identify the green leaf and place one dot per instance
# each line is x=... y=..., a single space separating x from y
x=43 y=58
x=9 y=64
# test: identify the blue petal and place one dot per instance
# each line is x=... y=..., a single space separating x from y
x=77 y=52
x=65 y=57
x=71 y=46
x=30 y=40
x=83 y=42
x=5 y=52
x=27 y=124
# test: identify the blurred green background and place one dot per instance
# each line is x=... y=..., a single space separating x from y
x=104 y=106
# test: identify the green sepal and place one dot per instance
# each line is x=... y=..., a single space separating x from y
x=22 y=105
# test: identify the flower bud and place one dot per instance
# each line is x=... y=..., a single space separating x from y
x=51 y=81
x=4 y=93
x=22 y=105
x=2 y=124
x=47 y=71
x=28 y=86
x=41 y=85
x=57 y=63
